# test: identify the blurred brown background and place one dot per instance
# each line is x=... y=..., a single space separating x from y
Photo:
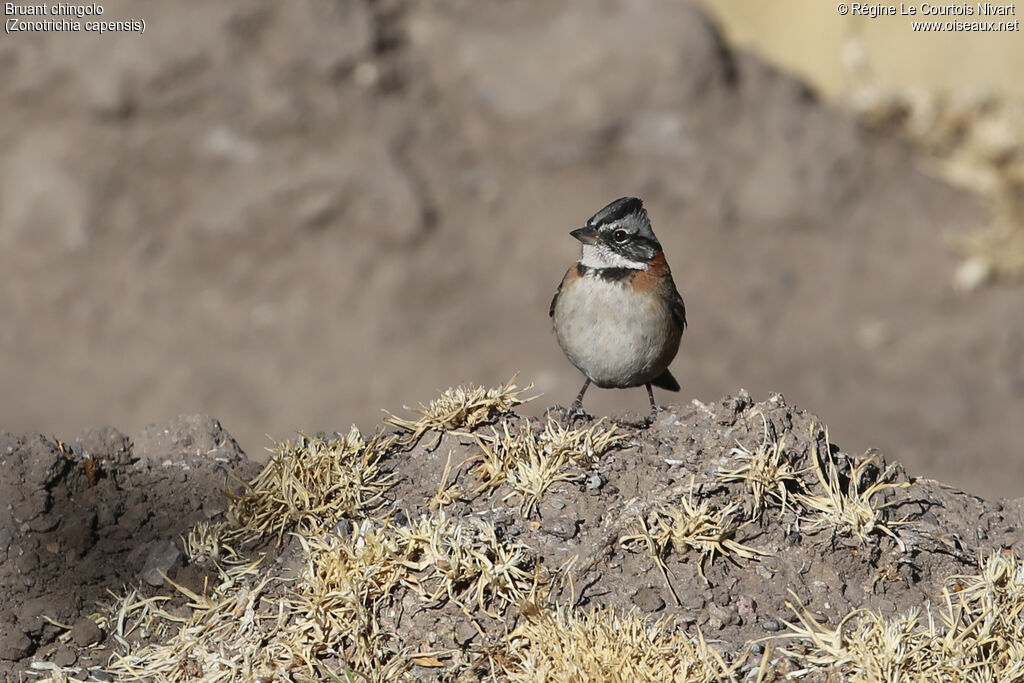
x=292 y=215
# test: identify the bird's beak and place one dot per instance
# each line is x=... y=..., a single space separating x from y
x=587 y=234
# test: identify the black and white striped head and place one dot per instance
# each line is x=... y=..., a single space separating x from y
x=618 y=236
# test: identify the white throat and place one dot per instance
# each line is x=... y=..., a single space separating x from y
x=600 y=256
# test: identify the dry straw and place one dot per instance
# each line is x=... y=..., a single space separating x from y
x=980 y=639
x=696 y=526
x=851 y=509
x=768 y=473
x=462 y=407
x=531 y=462
x=563 y=646
x=312 y=483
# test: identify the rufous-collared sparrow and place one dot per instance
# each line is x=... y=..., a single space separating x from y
x=617 y=314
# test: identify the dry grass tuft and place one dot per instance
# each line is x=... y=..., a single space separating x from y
x=531 y=463
x=602 y=646
x=312 y=483
x=235 y=632
x=689 y=526
x=346 y=583
x=468 y=564
x=981 y=637
x=768 y=474
x=210 y=545
x=244 y=630
x=459 y=408
x=350 y=581
x=850 y=509
x=841 y=501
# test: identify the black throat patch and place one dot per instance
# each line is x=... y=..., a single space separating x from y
x=609 y=274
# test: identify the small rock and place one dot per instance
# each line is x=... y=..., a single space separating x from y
x=594 y=482
x=64 y=656
x=771 y=625
x=648 y=600
x=720 y=617
x=465 y=632
x=14 y=644
x=165 y=557
x=746 y=606
x=757 y=648
x=30 y=612
x=85 y=632
x=562 y=528
x=27 y=562
x=670 y=420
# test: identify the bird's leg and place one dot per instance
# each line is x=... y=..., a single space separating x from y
x=577 y=405
x=654 y=406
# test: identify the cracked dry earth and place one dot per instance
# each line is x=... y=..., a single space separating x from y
x=100 y=517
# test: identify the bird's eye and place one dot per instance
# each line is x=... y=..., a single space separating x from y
x=620 y=236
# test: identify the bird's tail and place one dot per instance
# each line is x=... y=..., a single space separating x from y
x=666 y=381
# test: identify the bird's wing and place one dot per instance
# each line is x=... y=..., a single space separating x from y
x=551 y=311
x=675 y=302
x=568 y=273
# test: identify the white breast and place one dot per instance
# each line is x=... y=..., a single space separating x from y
x=614 y=335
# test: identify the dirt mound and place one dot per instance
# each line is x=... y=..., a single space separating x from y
x=471 y=541
x=87 y=518
x=303 y=212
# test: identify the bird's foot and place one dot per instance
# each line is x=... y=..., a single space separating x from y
x=576 y=412
x=656 y=410
x=571 y=414
x=648 y=421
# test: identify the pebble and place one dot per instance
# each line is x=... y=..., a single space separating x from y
x=85 y=632
x=164 y=558
x=64 y=656
x=562 y=528
x=464 y=632
x=746 y=606
x=595 y=482
x=648 y=600
x=771 y=625
x=14 y=645
x=720 y=617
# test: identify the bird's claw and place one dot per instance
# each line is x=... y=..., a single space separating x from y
x=576 y=411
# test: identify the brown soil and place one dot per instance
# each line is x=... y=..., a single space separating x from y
x=290 y=216
x=85 y=532
x=83 y=520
